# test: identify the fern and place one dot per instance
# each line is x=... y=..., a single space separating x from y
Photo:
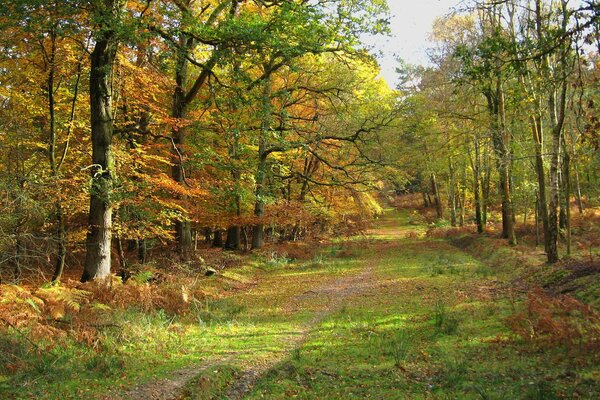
x=143 y=277
x=71 y=298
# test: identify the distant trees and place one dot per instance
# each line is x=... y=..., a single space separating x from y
x=509 y=81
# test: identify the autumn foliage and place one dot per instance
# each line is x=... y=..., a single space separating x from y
x=551 y=320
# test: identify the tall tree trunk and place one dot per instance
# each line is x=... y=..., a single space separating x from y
x=183 y=226
x=557 y=120
x=258 y=230
x=425 y=200
x=261 y=171
x=61 y=249
x=463 y=197
x=556 y=109
x=233 y=241
x=554 y=204
x=578 y=188
x=567 y=195
x=573 y=159
x=99 y=235
x=486 y=184
x=500 y=140
x=218 y=238
x=507 y=206
x=537 y=220
x=475 y=165
x=234 y=238
x=452 y=192
x=436 y=195
x=538 y=136
x=142 y=250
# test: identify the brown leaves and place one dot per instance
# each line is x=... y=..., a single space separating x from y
x=556 y=320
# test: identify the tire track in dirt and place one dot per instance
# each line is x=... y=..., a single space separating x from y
x=333 y=296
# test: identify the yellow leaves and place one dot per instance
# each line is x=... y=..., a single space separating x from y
x=58 y=299
x=164 y=182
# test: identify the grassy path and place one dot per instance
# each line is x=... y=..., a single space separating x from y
x=391 y=315
x=388 y=315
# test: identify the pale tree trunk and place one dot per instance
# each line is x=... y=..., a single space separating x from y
x=537 y=220
x=556 y=108
x=475 y=166
x=463 y=196
x=567 y=195
x=452 y=192
x=500 y=140
x=261 y=171
x=485 y=186
x=98 y=243
x=573 y=159
x=537 y=130
x=436 y=195
x=538 y=136
x=425 y=200
x=578 y=188
x=554 y=184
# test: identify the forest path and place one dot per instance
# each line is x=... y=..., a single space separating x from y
x=305 y=295
x=392 y=314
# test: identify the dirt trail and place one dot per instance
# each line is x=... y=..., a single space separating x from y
x=168 y=388
x=332 y=296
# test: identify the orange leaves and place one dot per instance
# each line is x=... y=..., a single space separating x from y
x=166 y=183
x=562 y=320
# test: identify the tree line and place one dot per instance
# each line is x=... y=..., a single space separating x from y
x=509 y=108
x=133 y=127
x=129 y=124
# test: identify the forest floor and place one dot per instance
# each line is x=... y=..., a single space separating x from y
x=392 y=314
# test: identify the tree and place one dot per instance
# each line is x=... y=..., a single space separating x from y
x=108 y=16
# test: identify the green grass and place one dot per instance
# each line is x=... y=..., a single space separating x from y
x=427 y=332
x=430 y=323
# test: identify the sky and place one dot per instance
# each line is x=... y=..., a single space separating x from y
x=410 y=25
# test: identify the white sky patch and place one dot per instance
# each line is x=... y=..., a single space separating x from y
x=410 y=24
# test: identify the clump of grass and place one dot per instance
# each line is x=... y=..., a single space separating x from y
x=211 y=384
x=275 y=260
x=483 y=270
x=297 y=354
x=105 y=363
x=216 y=311
x=441 y=266
x=317 y=261
x=443 y=321
x=400 y=348
x=541 y=390
x=435 y=270
x=455 y=371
